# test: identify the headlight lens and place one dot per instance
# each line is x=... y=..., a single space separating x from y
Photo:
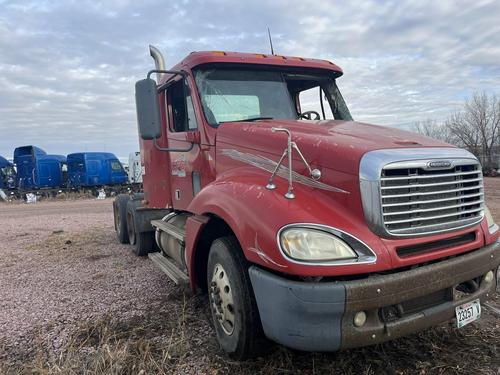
x=314 y=245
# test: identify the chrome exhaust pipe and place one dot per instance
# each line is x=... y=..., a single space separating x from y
x=159 y=61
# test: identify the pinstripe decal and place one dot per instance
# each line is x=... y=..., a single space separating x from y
x=269 y=166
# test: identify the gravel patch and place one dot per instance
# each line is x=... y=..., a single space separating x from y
x=60 y=264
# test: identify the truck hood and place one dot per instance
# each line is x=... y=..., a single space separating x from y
x=333 y=144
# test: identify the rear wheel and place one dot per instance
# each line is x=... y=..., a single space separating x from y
x=143 y=242
x=120 y=216
x=232 y=302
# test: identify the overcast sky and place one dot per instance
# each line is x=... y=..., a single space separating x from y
x=67 y=68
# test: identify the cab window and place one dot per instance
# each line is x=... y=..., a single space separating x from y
x=181 y=107
x=313 y=99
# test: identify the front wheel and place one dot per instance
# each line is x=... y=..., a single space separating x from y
x=232 y=302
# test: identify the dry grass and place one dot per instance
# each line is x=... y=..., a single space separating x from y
x=169 y=342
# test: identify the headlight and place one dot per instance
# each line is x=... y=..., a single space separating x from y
x=309 y=244
x=490 y=221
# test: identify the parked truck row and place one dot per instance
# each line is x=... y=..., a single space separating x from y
x=33 y=170
x=303 y=226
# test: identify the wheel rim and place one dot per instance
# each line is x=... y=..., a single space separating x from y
x=221 y=298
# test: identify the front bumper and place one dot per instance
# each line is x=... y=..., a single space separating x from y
x=318 y=316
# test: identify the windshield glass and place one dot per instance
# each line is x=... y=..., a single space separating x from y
x=236 y=95
x=249 y=95
x=8 y=171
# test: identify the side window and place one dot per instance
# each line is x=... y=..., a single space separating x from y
x=310 y=101
x=181 y=107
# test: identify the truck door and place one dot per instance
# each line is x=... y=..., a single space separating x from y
x=95 y=172
x=118 y=175
x=44 y=175
x=182 y=130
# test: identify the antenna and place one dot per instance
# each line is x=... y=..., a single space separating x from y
x=270 y=41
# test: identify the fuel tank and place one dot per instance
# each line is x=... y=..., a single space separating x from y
x=170 y=238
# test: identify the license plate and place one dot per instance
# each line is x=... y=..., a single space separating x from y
x=468 y=312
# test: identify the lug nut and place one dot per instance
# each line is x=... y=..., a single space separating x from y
x=360 y=319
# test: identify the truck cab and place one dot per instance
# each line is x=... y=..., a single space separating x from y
x=7 y=174
x=95 y=169
x=37 y=170
x=303 y=226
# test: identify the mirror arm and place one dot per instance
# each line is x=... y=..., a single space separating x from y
x=167 y=149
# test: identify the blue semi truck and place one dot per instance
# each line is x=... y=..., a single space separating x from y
x=38 y=170
x=88 y=169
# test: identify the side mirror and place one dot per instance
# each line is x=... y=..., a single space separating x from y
x=148 y=110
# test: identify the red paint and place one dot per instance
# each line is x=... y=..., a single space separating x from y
x=235 y=191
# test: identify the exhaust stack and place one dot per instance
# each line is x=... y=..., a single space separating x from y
x=159 y=61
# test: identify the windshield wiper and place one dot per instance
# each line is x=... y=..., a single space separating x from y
x=250 y=119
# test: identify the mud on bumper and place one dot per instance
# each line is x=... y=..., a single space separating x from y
x=318 y=316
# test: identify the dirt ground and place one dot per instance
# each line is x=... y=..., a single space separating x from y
x=73 y=300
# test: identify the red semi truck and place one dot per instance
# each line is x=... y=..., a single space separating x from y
x=303 y=226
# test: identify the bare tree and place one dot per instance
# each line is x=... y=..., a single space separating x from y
x=432 y=129
x=477 y=126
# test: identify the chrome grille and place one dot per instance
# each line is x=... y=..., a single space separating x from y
x=417 y=200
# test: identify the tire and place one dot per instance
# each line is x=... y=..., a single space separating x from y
x=132 y=205
x=244 y=338
x=143 y=242
x=120 y=214
x=138 y=196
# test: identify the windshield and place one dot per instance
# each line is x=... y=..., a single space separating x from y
x=250 y=95
x=116 y=166
x=8 y=171
x=236 y=95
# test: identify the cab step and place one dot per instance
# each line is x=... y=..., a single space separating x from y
x=170 y=229
x=169 y=268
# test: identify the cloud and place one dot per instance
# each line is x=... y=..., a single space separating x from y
x=67 y=69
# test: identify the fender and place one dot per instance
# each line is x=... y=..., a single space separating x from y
x=255 y=215
x=194 y=227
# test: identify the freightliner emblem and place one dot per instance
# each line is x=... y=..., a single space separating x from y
x=441 y=164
